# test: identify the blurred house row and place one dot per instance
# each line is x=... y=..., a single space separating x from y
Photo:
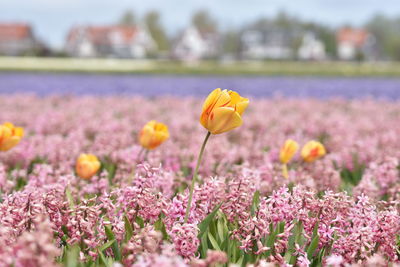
x=192 y=43
x=109 y=41
x=18 y=39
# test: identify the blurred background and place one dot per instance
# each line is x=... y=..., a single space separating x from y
x=316 y=45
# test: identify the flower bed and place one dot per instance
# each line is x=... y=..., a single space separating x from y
x=341 y=208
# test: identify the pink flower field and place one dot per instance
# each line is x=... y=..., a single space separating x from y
x=248 y=207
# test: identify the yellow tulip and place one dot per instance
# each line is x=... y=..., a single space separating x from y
x=288 y=150
x=153 y=134
x=87 y=165
x=222 y=111
x=286 y=154
x=10 y=136
x=312 y=151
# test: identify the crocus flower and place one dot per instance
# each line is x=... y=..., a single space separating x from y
x=312 y=151
x=87 y=165
x=153 y=134
x=288 y=150
x=222 y=111
x=10 y=136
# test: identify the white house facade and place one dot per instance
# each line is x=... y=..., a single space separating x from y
x=311 y=48
x=109 y=41
x=193 y=45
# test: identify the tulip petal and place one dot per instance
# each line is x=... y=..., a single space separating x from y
x=19 y=131
x=288 y=150
x=87 y=165
x=5 y=132
x=211 y=98
x=9 y=143
x=312 y=151
x=9 y=125
x=242 y=105
x=223 y=119
x=153 y=134
x=235 y=97
x=215 y=99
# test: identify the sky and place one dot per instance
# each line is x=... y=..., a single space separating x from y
x=52 y=19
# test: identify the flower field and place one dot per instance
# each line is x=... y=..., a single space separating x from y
x=151 y=85
x=126 y=181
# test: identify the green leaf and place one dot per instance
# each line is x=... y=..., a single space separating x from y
x=240 y=261
x=225 y=243
x=312 y=247
x=139 y=221
x=69 y=197
x=128 y=229
x=111 y=237
x=203 y=226
x=315 y=230
x=104 y=259
x=280 y=228
x=220 y=230
x=213 y=242
x=160 y=226
x=20 y=184
x=271 y=239
x=35 y=161
x=289 y=257
x=255 y=203
x=73 y=257
x=65 y=230
x=110 y=167
x=204 y=246
x=106 y=245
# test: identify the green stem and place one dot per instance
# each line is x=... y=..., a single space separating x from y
x=195 y=177
x=139 y=155
x=146 y=154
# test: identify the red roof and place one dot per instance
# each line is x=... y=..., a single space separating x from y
x=103 y=34
x=357 y=37
x=15 y=31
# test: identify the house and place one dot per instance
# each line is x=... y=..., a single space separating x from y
x=311 y=48
x=355 y=44
x=17 y=39
x=268 y=43
x=109 y=41
x=194 y=44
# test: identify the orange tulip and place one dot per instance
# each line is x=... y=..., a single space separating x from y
x=222 y=111
x=153 y=134
x=87 y=165
x=10 y=136
x=312 y=151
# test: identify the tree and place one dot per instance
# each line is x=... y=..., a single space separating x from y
x=127 y=19
x=325 y=34
x=386 y=30
x=231 y=42
x=203 y=20
x=152 y=22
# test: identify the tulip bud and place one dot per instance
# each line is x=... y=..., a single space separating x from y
x=288 y=150
x=10 y=136
x=87 y=165
x=312 y=151
x=153 y=134
x=222 y=111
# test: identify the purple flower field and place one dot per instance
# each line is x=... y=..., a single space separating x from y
x=154 y=85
